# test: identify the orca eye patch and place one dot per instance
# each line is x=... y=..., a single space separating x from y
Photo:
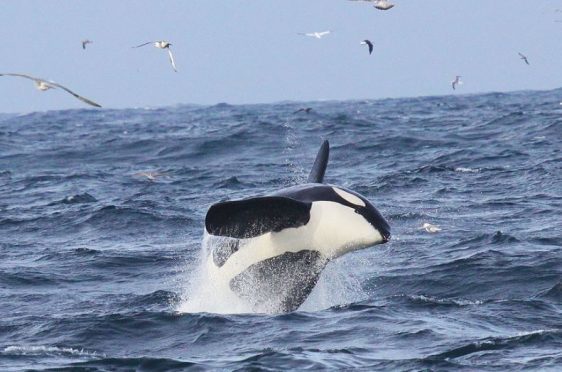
x=350 y=198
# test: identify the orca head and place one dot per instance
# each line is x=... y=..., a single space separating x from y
x=364 y=228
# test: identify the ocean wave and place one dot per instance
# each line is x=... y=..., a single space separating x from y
x=132 y=364
x=41 y=350
x=83 y=198
x=499 y=343
x=553 y=293
x=467 y=170
x=444 y=301
x=94 y=257
x=113 y=216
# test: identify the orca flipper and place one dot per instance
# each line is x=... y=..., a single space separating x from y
x=249 y=218
x=319 y=168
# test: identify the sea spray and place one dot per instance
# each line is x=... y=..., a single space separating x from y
x=207 y=294
x=204 y=294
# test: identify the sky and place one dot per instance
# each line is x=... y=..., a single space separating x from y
x=249 y=51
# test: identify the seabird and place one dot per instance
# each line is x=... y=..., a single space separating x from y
x=379 y=4
x=456 y=82
x=44 y=85
x=369 y=43
x=162 y=44
x=383 y=5
x=317 y=35
x=430 y=228
x=524 y=58
x=303 y=109
x=86 y=42
x=151 y=176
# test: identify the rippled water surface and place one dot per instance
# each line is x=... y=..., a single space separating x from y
x=96 y=257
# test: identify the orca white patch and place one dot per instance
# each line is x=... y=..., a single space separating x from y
x=349 y=197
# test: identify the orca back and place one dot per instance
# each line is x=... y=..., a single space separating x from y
x=319 y=168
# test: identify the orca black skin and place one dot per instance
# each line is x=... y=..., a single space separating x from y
x=282 y=280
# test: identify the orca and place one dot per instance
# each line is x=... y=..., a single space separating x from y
x=270 y=250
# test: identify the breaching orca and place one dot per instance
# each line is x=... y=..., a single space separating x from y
x=270 y=250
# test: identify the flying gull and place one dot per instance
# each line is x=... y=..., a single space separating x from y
x=379 y=4
x=383 y=5
x=524 y=58
x=456 y=82
x=369 y=43
x=86 y=42
x=44 y=85
x=317 y=35
x=162 y=44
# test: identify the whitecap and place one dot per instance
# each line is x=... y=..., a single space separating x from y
x=45 y=350
x=467 y=170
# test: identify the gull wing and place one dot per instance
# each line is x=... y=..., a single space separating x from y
x=324 y=33
x=172 y=59
x=143 y=44
x=83 y=99
x=370 y=45
x=523 y=57
x=23 y=76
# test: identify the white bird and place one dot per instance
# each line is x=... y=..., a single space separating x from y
x=379 y=4
x=151 y=176
x=86 y=42
x=456 y=82
x=430 y=228
x=524 y=58
x=162 y=44
x=383 y=5
x=317 y=35
x=44 y=85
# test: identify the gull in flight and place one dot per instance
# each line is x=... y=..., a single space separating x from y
x=369 y=43
x=317 y=35
x=379 y=4
x=524 y=58
x=456 y=82
x=44 y=85
x=383 y=5
x=162 y=44
x=430 y=228
x=86 y=42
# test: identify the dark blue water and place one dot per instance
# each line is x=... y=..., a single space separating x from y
x=96 y=259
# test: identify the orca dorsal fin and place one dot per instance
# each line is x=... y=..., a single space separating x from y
x=319 y=168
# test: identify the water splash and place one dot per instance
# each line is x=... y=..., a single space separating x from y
x=205 y=293
x=337 y=286
x=297 y=174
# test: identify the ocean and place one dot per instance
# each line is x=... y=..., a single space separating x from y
x=102 y=223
